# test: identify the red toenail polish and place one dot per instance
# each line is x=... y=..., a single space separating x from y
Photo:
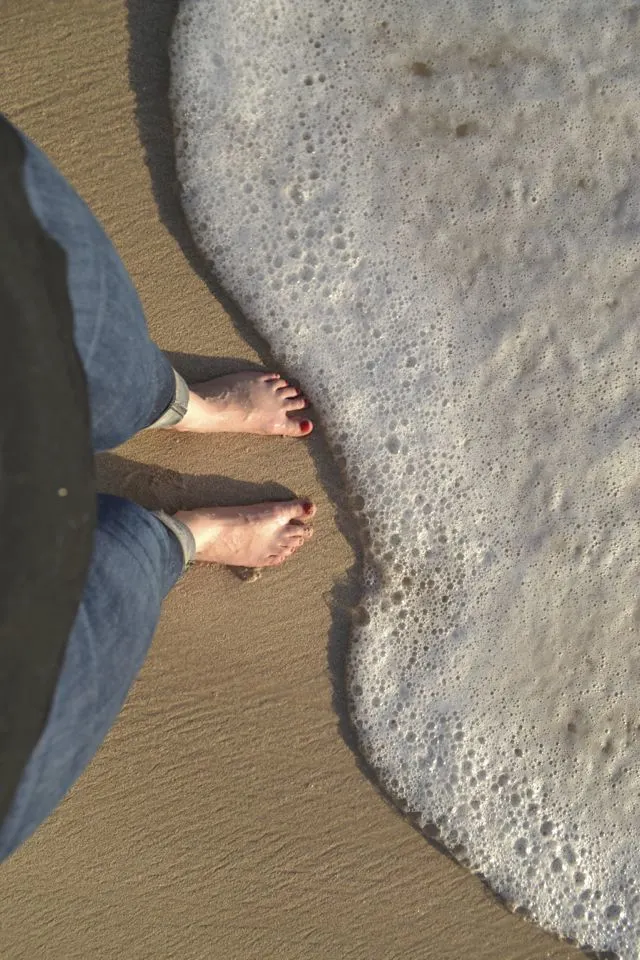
x=307 y=507
x=305 y=425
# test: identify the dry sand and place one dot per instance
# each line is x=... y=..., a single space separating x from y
x=225 y=816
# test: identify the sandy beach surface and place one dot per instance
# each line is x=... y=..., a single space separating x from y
x=226 y=815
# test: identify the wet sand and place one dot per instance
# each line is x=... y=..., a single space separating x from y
x=226 y=814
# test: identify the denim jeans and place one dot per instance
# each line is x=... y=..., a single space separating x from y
x=136 y=557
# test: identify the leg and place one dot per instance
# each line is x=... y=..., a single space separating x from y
x=130 y=381
x=136 y=560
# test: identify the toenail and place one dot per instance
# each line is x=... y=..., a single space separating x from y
x=305 y=425
x=307 y=507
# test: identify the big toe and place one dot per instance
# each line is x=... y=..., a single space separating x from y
x=298 y=428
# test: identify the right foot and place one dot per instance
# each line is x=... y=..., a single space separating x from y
x=260 y=535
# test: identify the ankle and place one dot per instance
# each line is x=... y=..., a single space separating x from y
x=198 y=525
x=196 y=412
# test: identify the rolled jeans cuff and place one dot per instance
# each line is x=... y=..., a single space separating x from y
x=177 y=408
x=181 y=531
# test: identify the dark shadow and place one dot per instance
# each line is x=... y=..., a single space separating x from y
x=194 y=367
x=149 y=73
x=150 y=26
x=158 y=488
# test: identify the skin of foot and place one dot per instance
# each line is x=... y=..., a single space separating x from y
x=260 y=535
x=246 y=402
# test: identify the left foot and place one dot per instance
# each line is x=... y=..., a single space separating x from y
x=246 y=402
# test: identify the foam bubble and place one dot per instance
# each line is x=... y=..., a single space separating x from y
x=432 y=212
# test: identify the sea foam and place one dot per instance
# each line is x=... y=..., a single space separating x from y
x=432 y=212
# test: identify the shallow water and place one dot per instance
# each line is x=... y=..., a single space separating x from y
x=432 y=212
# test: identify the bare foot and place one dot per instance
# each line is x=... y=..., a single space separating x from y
x=246 y=402
x=260 y=535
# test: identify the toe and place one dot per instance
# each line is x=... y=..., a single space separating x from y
x=277 y=383
x=297 y=510
x=296 y=403
x=297 y=530
x=304 y=427
x=270 y=376
x=285 y=393
x=291 y=542
x=297 y=428
x=275 y=560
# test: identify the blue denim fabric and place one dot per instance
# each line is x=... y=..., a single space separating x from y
x=130 y=380
x=136 y=558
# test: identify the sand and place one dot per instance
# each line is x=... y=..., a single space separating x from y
x=226 y=815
